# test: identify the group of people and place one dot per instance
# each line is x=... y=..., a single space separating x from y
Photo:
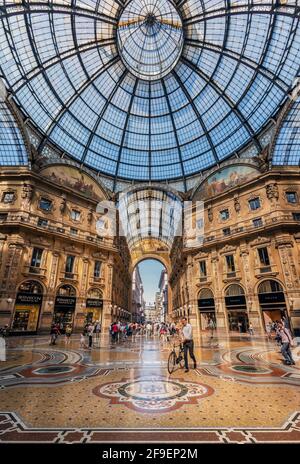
x=91 y=333
x=120 y=331
x=280 y=332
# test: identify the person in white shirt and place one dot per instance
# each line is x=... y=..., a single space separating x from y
x=188 y=343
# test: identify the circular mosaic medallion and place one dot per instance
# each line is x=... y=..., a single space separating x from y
x=53 y=370
x=251 y=369
x=153 y=394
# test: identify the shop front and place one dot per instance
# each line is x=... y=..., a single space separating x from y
x=64 y=308
x=206 y=307
x=236 y=307
x=94 y=306
x=94 y=309
x=27 y=308
x=272 y=301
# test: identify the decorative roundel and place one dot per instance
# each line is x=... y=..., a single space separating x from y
x=150 y=38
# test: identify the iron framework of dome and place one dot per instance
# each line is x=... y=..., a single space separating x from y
x=149 y=89
x=12 y=147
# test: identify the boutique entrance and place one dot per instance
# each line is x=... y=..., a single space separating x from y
x=94 y=306
x=27 y=307
x=235 y=302
x=206 y=306
x=272 y=301
x=65 y=303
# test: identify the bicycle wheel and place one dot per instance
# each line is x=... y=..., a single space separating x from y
x=171 y=362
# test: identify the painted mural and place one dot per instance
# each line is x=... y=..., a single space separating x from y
x=226 y=179
x=74 y=179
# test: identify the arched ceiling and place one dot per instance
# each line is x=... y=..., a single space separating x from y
x=149 y=89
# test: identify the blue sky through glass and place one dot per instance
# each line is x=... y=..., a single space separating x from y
x=150 y=271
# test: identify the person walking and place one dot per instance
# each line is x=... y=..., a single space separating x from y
x=90 y=330
x=54 y=334
x=188 y=343
x=97 y=330
x=286 y=343
x=251 y=329
x=211 y=326
x=68 y=334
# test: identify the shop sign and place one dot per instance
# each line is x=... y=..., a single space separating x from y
x=65 y=302
x=94 y=303
x=28 y=298
x=238 y=300
x=206 y=303
x=265 y=298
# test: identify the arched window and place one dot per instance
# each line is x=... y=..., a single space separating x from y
x=235 y=290
x=31 y=286
x=95 y=293
x=270 y=286
x=66 y=290
x=205 y=293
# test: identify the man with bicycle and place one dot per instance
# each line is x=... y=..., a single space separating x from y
x=188 y=343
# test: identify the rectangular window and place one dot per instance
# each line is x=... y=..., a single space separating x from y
x=257 y=222
x=75 y=215
x=296 y=216
x=291 y=197
x=45 y=204
x=224 y=214
x=70 y=264
x=73 y=231
x=36 y=257
x=264 y=256
x=97 y=269
x=42 y=222
x=230 y=263
x=8 y=197
x=202 y=265
x=3 y=217
x=226 y=231
x=254 y=204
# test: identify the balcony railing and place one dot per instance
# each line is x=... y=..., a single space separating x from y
x=40 y=271
x=53 y=227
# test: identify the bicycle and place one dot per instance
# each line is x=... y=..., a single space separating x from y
x=174 y=359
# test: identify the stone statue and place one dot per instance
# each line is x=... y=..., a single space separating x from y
x=237 y=205
x=63 y=204
x=272 y=192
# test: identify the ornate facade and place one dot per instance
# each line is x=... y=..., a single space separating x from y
x=247 y=267
x=55 y=265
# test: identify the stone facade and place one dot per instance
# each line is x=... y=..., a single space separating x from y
x=251 y=236
x=42 y=223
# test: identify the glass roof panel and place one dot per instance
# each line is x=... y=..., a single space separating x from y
x=287 y=146
x=12 y=148
x=151 y=89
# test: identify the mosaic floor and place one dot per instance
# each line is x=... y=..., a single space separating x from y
x=241 y=392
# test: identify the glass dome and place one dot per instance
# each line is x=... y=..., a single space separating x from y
x=149 y=89
x=12 y=147
x=287 y=145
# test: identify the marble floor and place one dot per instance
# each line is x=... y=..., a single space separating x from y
x=241 y=392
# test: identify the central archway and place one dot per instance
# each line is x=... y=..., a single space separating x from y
x=161 y=297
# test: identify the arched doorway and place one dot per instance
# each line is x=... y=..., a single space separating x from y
x=235 y=302
x=206 y=307
x=150 y=291
x=64 y=308
x=272 y=301
x=94 y=305
x=27 y=307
